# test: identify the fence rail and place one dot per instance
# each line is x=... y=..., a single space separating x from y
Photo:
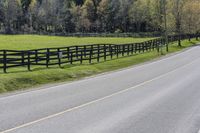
x=69 y=55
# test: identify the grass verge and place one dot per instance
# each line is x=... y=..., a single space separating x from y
x=19 y=78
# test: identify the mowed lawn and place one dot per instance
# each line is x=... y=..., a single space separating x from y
x=25 y=42
x=20 y=78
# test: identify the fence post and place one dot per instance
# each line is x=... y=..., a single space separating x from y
x=5 y=61
x=85 y=54
x=154 y=45
x=158 y=46
x=150 y=45
x=98 y=54
x=123 y=50
x=197 y=37
x=139 y=46
x=143 y=47
x=59 y=57
x=22 y=53
x=91 y=53
x=132 y=49
x=128 y=52
x=111 y=51
x=189 y=36
x=167 y=44
x=146 y=46
x=29 y=63
x=105 y=52
x=68 y=54
x=136 y=47
x=47 y=58
x=81 y=61
x=71 y=58
x=179 y=40
x=90 y=59
x=36 y=56
x=116 y=51
x=77 y=49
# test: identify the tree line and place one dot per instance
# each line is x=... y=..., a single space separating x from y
x=99 y=16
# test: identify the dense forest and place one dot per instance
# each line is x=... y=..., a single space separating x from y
x=99 y=16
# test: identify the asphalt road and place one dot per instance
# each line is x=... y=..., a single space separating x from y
x=158 y=97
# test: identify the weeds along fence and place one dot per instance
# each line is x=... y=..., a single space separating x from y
x=69 y=55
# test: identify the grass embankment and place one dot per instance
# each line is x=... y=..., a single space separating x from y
x=20 y=78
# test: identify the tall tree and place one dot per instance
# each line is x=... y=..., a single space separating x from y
x=80 y=20
x=178 y=12
x=12 y=13
x=65 y=16
x=108 y=15
x=138 y=14
x=2 y=15
x=2 y=11
x=25 y=5
x=163 y=14
x=123 y=16
x=191 y=15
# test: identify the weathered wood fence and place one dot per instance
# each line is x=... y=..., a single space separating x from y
x=69 y=55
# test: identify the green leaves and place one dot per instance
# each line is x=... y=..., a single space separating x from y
x=25 y=5
x=64 y=16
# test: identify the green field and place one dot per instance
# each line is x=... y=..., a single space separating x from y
x=24 y=42
x=20 y=78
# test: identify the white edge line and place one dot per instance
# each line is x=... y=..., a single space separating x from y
x=96 y=76
x=92 y=102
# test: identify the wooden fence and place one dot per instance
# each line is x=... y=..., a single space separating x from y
x=69 y=55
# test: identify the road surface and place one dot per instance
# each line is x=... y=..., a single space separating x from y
x=158 y=97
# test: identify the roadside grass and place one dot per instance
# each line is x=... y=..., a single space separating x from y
x=20 y=78
x=26 y=42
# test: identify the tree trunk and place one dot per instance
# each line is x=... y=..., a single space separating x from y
x=179 y=40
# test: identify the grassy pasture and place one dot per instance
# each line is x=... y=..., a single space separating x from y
x=20 y=78
x=25 y=42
